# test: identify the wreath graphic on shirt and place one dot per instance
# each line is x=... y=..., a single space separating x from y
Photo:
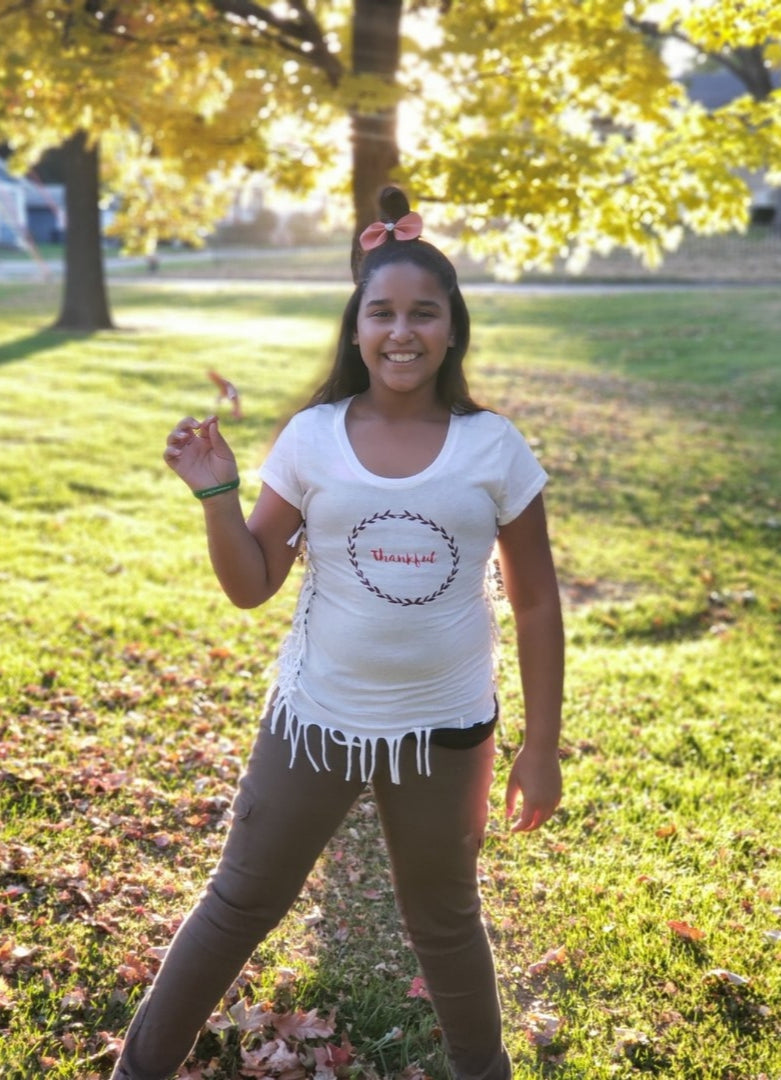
x=426 y=523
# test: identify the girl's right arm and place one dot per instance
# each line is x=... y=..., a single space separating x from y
x=250 y=558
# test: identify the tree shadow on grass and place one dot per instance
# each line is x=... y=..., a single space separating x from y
x=41 y=341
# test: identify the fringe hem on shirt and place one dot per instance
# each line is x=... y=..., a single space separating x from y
x=296 y=732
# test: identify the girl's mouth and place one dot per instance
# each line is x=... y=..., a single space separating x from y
x=401 y=357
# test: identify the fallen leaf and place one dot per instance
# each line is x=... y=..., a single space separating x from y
x=253 y=1065
x=220 y=654
x=301 y=1025
x=323 y=1070
x=328 y=1058
x=627 y=1040
x=667 y=830
x=277 y=1055
x=12 y=956
x=685 y=931
x=113 y=1043
x=313 y=917
x=74 y=999
x=218 y=1022
x=251 y=1017
x=134 y=970
x=726 y=976
x=551 y=957
x=418 y=988
x=631 y=1036
x=6 y=994
x=331 y=1056
x=542 y=1028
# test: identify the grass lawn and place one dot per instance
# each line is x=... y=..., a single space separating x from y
x=639 y=933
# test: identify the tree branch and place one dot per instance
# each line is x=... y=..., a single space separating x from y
x=301 y=37
x=290 y=34
x=12 y=9
x=746 y=64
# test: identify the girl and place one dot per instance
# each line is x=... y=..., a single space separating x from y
x=402 y=485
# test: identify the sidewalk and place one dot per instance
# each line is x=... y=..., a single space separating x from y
x=27 y=268
x=754 y=259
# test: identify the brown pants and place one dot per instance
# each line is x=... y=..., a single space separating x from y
x=283 y=818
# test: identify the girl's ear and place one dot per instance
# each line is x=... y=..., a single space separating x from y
x=355 y=337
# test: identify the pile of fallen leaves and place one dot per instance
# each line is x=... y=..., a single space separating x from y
x=287 y=1045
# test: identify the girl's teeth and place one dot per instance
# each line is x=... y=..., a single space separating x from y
x=401 y=358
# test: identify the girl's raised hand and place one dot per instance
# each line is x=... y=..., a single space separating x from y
x=197 y=452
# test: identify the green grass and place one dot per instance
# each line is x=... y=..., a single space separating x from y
x=130 y=688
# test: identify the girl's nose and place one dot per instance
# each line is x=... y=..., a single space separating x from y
x=400 y=331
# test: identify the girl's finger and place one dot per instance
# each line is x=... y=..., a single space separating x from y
x=202 y=428
x=185 y=430
x=533 y=818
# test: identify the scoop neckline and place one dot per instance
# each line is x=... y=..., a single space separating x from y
x=391 y=481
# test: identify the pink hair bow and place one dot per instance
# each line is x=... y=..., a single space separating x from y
x=408 y=227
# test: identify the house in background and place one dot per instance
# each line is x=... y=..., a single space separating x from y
x=30 y=212
x=712 y=89
x=13 y=214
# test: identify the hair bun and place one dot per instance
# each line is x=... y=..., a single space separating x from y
x=393 y=204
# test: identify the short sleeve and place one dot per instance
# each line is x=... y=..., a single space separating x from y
x=280 y=469
x=522 y=475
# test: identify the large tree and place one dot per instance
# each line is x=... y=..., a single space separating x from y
x=172 y=98
x=542 y=129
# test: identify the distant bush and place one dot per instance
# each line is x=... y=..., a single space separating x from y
x=260 y=232
x=304 y=228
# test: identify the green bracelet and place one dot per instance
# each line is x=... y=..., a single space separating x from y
x=206 y=493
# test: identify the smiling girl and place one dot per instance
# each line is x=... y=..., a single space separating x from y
x=402 y=485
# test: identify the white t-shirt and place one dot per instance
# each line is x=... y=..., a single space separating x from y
x=394 y=628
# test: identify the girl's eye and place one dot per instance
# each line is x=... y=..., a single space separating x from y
x=423 y=315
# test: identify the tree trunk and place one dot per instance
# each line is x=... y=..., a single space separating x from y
x=84 y=299
x=376 y=51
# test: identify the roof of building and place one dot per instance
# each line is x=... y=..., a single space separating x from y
x=716 y=88
x=36 y=194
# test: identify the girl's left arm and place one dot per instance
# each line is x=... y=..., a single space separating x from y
x=532 y=590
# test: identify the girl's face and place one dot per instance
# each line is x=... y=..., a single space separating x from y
x=404 y=329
